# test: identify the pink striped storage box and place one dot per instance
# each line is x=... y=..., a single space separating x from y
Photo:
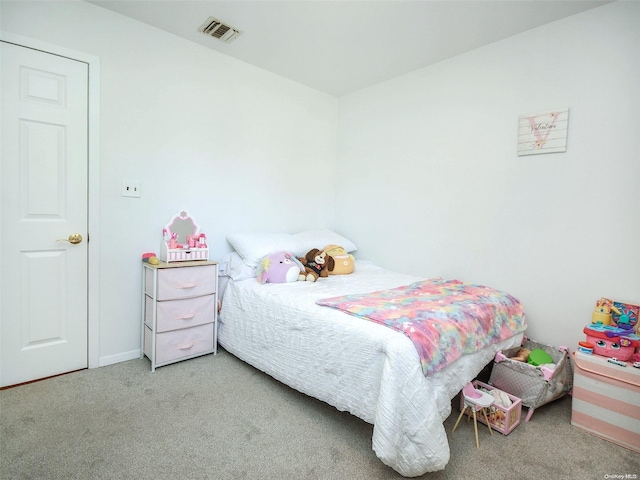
x=606 y=400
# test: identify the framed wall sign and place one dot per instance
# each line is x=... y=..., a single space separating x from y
x=544 y=132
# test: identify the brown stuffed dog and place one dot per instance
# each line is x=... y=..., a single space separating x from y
x=316 y=264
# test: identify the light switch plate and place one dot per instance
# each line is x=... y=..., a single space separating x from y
x=131 y=188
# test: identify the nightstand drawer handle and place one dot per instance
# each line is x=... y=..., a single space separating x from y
x=186 y=316
x=187 y=285
x=186 y=346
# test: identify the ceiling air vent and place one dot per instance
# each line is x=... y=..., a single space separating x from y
x=216 y=29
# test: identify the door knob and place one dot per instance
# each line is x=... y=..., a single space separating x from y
x=74 y=238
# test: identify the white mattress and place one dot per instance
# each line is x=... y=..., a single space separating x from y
x=355 y=365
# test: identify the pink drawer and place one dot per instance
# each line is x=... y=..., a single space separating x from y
x=174 y=283
x=175 y=314
x=179 y=344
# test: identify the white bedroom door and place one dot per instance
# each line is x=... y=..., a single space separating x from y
x=44 y=186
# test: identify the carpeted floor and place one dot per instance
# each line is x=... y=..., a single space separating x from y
x=215 y=417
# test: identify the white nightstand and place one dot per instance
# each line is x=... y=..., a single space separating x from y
x=179 y=311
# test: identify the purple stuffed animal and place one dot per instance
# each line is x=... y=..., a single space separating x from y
x=280 y=267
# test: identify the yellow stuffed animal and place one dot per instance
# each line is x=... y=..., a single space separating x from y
x=344 y=263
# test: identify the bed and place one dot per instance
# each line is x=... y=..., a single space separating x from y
x=355 y=365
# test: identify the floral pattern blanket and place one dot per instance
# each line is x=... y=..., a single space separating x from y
x=444 y=319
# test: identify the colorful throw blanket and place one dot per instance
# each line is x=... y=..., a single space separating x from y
x=445 y=319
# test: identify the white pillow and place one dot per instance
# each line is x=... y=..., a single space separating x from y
x=233 y=266
x=321 y=238
x=252 y=247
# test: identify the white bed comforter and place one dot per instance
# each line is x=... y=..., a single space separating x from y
x=355 y=365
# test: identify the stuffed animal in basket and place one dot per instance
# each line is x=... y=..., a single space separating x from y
x=343 y=261
x=280 y=267
x=501 y=403
x=316 y=264
x=496 y=417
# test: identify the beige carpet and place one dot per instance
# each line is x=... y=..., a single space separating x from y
x=215 y=417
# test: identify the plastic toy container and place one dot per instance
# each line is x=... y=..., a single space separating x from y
x=502 y=419
x=535 y=385
x=605 y=400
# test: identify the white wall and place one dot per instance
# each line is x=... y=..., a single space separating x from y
x=431 y=183
x=229 y=142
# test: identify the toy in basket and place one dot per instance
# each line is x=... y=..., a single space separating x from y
x=505 y=411
x=182 y=240
x=535 y=383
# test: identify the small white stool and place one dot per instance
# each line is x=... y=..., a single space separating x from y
x=475 y=400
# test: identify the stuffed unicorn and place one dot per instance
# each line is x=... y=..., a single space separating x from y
x=280 y=267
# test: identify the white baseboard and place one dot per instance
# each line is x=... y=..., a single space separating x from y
x=120 y=357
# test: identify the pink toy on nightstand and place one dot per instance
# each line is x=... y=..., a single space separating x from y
x=182 y=240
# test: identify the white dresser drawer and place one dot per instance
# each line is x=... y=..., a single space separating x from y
x=178 y=344
x=174 y=283
x=184 y=313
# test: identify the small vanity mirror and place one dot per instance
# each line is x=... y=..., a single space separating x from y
x=182 y=225
x=183 y=241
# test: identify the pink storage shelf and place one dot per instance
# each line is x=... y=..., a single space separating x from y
x=502 y=419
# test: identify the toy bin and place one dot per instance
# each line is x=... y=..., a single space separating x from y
x=606 y=400
x=535 y=385
x=502 y=419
